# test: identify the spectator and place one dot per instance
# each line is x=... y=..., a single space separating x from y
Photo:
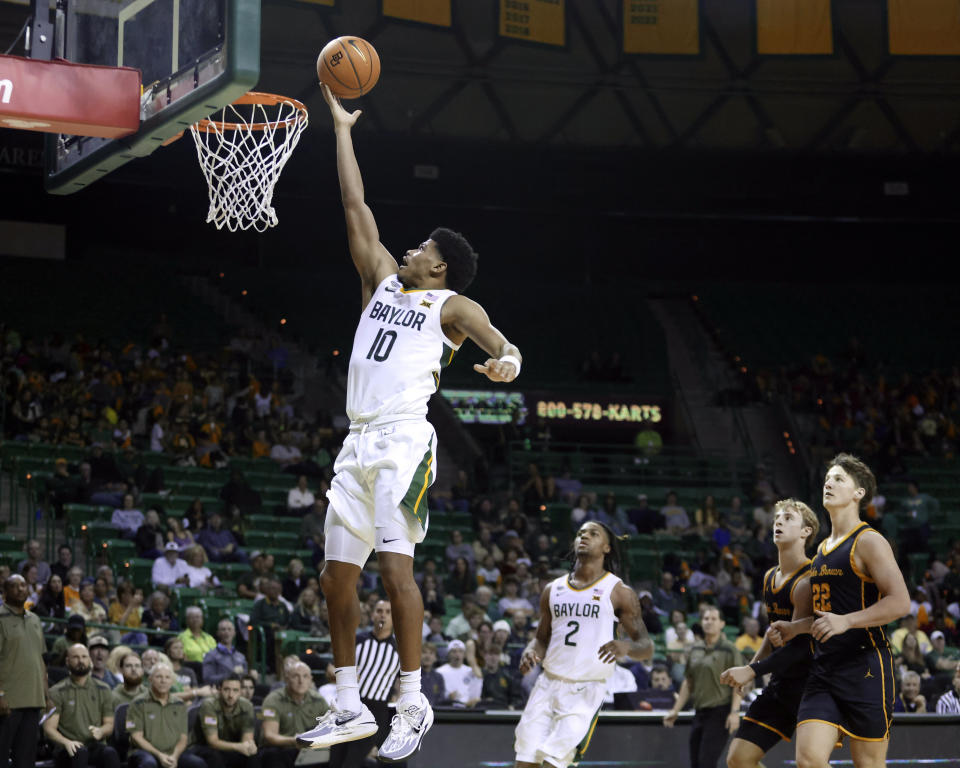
x=311 y=529
x=583 y=510
x=89 y=609
x=679 y=640
x=661 y=694
x=260 y=567
x=649 y=614
x=133 y=685
x=223 y=660
x=294 y=582
x=285 y=453
x=248 y=689
x=159 y=616
x=706 y=518
x=81 y=717
x=99 y=649
x=64 y=562
x=198 y=575
x=736 y=518
x=734 y=596
x=612 y=515
x=127 y=519
x=300 y=497
x=461 y=580
x=717 y=707
x=431 y=681
x=458 y=548
x=157 y=723
x=665 y=599
x=184 y=678
x=34 y=558
x=51 y=600
x=487 y=573
x=949 y=703
x=170 y=570
x=511 y=600
x=196 y=642
x=219 y=543
x=643 y=518
x=434 y=631
x=272 y=613
x=76 y=632
x=462 y=685
x=237 y=492
x=22 y=676
x=177 y=534
x=126 y=611
x=484 y=545
x=223 y=734
x=675 y=517
x=942 y=660
x=750 y=637
x=309 y=614
x=500 y=688
x=908 y=626
x=286 y=712
x=911 y=655
x=914 y=522
x=149 y=536
x=910 y=699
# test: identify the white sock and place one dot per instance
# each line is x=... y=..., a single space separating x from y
x=409 y=688
x=348 y=689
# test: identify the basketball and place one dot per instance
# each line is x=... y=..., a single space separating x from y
x=349 y=66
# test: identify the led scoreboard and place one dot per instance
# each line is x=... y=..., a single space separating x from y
x=597 y=410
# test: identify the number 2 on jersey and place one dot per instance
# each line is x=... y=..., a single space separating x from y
x=380 y=349
x=571 y=633
x=821 y=597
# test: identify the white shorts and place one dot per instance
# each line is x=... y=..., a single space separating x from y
x=378 y=496
x=558 y=721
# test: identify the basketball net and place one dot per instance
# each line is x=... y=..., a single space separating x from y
x=242 y=152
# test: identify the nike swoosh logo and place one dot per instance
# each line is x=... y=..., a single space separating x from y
x=389 y=541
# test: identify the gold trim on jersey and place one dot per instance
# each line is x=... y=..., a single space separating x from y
x=592 y=583
x=786 y=580
x=823 y=545
x=853 y=564
x=843 y=730
x=768 y=727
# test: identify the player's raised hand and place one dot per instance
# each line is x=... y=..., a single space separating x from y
x=737 y=677
x=826 y=625
x=497 y=370
x=528 y=661
x=340 y=115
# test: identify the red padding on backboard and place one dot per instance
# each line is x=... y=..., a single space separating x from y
x=64 y=97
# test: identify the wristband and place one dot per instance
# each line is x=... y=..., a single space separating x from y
x=511 y=359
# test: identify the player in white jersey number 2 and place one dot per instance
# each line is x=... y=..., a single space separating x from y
x=575 y=641
x=412 y=323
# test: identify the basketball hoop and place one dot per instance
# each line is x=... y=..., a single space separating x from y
x=242 y=152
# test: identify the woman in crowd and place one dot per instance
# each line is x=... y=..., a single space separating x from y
x=309 y=614
x=126 y=611
x=294 y=581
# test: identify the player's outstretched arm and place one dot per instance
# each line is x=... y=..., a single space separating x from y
x=626 y=606
x=371 y=259
x=537 y=648
x=894 y=603
x=467 y=319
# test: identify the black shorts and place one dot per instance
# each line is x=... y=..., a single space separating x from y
x=854 y=692
x=773 y=714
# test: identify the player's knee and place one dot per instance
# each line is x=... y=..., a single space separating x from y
x=736 y=760
x=397 y=576
x=335 y=583
x=806 y=759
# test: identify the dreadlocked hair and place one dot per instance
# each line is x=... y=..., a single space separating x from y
x=612 y=560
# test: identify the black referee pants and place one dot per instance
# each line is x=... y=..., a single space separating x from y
x=352 y=753
x=708 y=736
x=18 y=738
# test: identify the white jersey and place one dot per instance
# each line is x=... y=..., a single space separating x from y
x=582 y=620
x=399 y=350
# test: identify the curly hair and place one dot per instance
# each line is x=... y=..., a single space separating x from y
x=459 y=256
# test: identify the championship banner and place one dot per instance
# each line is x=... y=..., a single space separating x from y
x=661 y=26
x=794 y=27
x=539 y=21
x=435 y=12
x=924 y=27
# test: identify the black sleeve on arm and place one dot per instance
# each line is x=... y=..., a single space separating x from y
x=796 y=651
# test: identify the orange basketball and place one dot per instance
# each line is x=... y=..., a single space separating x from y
x=349 y=66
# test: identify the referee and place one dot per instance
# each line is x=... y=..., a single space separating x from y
x=378 y=664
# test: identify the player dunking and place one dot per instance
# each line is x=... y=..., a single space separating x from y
x=786 y=594
x=857 y=589
x=575 y=640
x=413 y=321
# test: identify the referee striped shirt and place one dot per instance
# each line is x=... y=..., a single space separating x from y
x=378 y=664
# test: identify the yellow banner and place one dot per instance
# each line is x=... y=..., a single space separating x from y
x=540 y=21
x=661 y=26
x=794 y=26
x=435 y=12
x=924 y=27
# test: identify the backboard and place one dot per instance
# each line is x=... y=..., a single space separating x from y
x=196 y=56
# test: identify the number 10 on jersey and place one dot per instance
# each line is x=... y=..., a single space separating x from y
x=382 y=345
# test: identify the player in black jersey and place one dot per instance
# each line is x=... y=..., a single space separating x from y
x=786 y=594
x=857 y=589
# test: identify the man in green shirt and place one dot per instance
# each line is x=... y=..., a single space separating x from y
x=286 y=712
x=82 y=716
x=943 y=661
x=133 y=685
x=157 y=724
x=22 y=676
x=271 y=613
x=196 y=642
x=717 y=705
x=223 y=733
